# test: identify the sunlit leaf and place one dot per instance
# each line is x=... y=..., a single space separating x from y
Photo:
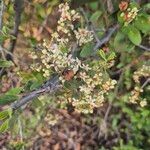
x=102 y=54
x=4 y=126
x=5 y=114
x=134 y=36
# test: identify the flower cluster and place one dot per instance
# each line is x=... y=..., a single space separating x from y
x=53 y=57
x=144 y=71
x=51 y=119
x=135 y=97
x=92 y=91
x=57 y=56
x=128 y=13
x=83 y=36
x=108 y=85
x=65 y=24
x=67 y=28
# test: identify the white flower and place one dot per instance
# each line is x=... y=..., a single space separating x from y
x=83 y=36
x=143 y=103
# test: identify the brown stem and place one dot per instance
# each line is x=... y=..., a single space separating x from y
x=18 y=7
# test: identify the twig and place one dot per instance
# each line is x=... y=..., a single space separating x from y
x=145 y=83
x=50 y=86
x=90 y=24
x=144 y=47
x=18 y=7
x=106 y=37
x=1 y=14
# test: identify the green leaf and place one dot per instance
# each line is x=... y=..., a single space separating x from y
x=10 y=96
x=87 y=50
x=5 y=63
x=4 y=126
x=146 y=6
x=111 y=56
x=122 y=43
x=134 y=35
x=95 y=16
x=143 y=23
x=5 y=30
x=35 y=85
x=102 y=54
x=14 y=91
x=120 y=18
x=5 y=114
x=6 y=99
x=93 y=5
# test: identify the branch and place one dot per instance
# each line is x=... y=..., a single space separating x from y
x=49 y=87
x=89 y=24
x=18 y=7
x=145 y=83
x=144 y=47
x=106 y=37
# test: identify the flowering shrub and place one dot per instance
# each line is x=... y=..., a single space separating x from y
x=93 y=62
x=59 y=56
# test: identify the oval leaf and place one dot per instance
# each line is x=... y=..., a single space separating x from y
x=95 y=16
x=4 y=126
x=134 y=36
x=5 y=114
x=143 y=23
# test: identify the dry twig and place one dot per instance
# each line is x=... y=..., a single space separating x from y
x=18 y=7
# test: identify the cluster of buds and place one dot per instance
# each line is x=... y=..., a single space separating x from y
x=135 y=97
x=66 y=29
x=128 y=13
x=65 y=24
x=135 y=94
x=108 y=85
x=92 y=92
x=83 y=36
x=52 y=57
x=144 y=71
